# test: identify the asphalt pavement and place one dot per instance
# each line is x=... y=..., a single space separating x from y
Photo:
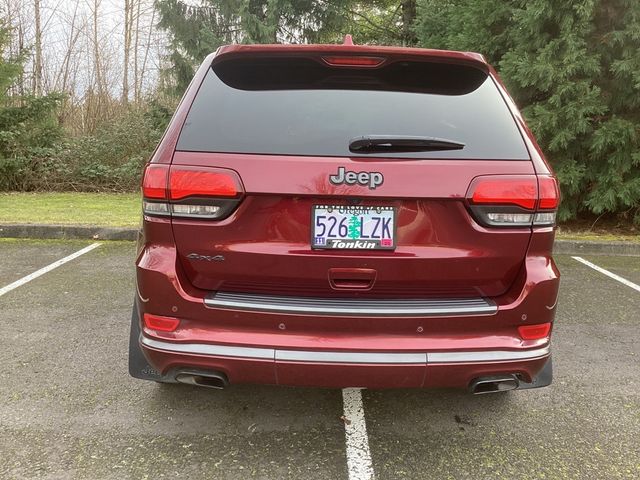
x=69 y=410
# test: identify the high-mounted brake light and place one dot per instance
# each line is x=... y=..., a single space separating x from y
x=159 y=323
x=353 y=61
x=514 y=200
x=534 y=332
x=195 y=192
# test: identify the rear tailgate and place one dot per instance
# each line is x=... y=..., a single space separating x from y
x=284 y=124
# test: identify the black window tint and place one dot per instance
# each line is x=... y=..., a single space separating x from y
x=302 y=107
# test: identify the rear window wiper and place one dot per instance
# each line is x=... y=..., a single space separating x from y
x=399 y=143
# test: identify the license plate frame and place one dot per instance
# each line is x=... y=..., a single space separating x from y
x=342 y=242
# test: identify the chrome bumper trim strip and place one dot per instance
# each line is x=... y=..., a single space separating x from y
x=209 y=349
x=346 y=357
x=349 y=357
x=487 y=355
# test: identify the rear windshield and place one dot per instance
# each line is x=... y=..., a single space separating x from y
x=299 y=106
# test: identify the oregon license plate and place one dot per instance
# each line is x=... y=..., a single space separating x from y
x=353 y=227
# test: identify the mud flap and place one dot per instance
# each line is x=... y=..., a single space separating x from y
x=543 y=379
x=138 y=365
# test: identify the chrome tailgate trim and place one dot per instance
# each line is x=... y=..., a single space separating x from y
x=351 y=306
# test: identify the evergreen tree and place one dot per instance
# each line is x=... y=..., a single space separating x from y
x=198 y=30
x=574 y=69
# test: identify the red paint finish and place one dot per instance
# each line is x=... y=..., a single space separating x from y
x=341 y=375
x=266 y=241
x=442 y=252
x=237 y=370
x=460 y=375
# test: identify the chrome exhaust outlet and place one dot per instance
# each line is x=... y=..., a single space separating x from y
x=501 y=383
x=205 y=379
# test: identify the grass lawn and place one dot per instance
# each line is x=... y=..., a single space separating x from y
x=104 y=209
x=123 y=210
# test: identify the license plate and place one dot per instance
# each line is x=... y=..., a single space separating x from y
x=353 y=227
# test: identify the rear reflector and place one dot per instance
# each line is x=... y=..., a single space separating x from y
x=154 y=181
x=534 y=332
x=196 y=181
x=505 y=190
x=159 y=323
x=353 y=61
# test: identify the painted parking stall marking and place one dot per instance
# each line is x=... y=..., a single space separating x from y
x=609 y=274
x=359 y=465
x=46 y=269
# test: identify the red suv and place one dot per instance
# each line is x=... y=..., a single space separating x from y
x=339 y=215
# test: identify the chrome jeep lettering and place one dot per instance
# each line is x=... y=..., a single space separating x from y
x=369 y=179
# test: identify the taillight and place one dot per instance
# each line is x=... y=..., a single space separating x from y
x=159 y=323
x=195 y=192
x=197 y=182
x=549 y=199
x=505 y=191
x=154 y=181
x=534 y=332
x=513 y=200
x=154 y=189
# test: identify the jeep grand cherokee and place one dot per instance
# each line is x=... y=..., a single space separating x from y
x=339 y=215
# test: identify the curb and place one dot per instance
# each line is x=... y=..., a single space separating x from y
x=67 y=232
x=591 y=247
x=89 y=232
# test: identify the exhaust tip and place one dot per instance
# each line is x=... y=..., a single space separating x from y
x=502 y=383
x=217 y=380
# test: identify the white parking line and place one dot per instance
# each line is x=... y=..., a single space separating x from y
x=46 y=269
x=359 y=463
x=608 y=273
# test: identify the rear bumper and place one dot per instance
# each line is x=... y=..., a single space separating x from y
x=456 y=369
x=283 y=344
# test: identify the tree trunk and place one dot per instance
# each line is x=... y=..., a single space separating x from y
x=128 y=11
x=136 y=46
x=143 y=69
x=37 y=63
x=96 y=49
x=408 y=17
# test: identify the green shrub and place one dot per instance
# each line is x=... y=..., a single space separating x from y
x=111 y=159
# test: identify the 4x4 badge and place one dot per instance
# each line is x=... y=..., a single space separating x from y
x=371 y=179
